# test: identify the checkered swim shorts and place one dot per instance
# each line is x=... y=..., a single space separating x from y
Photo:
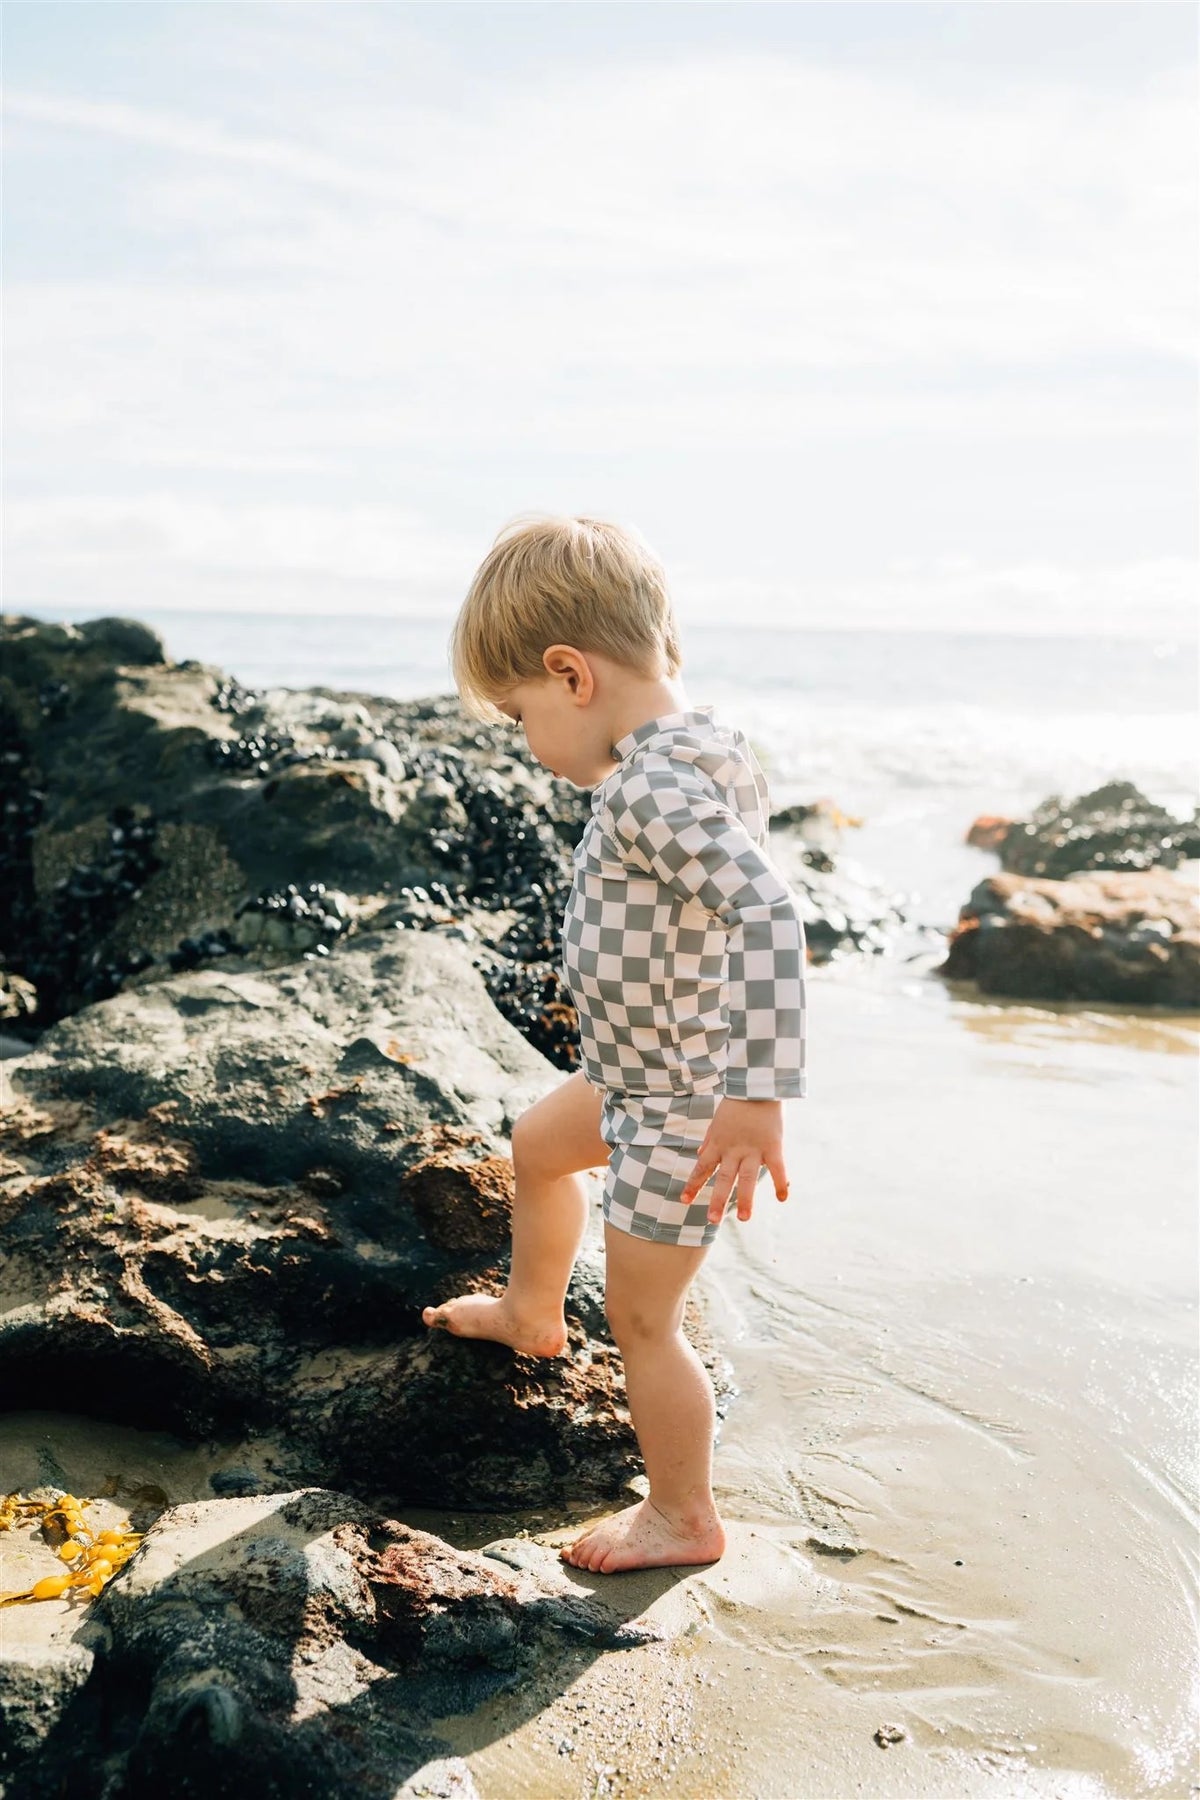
x=655 y=1140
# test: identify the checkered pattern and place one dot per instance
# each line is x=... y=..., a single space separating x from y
x=655 y=1139
x=683 y=948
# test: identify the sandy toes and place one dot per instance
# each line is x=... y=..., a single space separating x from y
x=642 y=1538
x=487 y=1316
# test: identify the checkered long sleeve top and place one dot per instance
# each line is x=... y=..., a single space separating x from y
x=682 y=945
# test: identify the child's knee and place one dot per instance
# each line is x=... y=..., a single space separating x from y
x=523 y=1137
x=532 y=1138
x=559 y=1135
x=640 y=1317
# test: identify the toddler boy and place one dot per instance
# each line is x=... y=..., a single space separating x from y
x=685 y=957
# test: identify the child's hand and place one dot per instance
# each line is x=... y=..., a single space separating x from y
x=743 y=1135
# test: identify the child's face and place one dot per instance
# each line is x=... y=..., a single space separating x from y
x=559 y=732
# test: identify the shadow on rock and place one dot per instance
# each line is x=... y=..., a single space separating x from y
x=300 y=1644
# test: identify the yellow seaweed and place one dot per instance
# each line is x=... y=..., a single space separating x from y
x=95 y=1556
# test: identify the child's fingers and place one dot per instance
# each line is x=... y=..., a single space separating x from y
x=723 y=1186
x=706 y=1161
x=778 y=1174
x=748 y=1176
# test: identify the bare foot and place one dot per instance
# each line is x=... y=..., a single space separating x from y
x=641 y=1537
x=488 y=1316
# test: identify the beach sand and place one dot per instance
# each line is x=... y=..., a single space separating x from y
x=958 y=1474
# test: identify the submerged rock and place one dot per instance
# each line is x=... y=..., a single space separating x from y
x=1104 y=936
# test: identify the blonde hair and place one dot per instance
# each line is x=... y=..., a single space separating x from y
x=549 y=580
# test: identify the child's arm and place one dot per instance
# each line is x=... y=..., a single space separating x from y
x=666 y=821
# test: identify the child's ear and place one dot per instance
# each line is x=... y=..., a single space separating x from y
x=582 y=679
x=565 y=660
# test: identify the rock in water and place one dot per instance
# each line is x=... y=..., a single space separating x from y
x=1108 y=937
x=1112 y=827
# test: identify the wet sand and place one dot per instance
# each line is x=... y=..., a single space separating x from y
x=958 y=1476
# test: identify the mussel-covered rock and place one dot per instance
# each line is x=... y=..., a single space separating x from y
x=207 y=820
x=1106 y=936
x=293 y=919
x=1112 y=827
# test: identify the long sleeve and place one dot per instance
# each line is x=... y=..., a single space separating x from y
x=667 y=822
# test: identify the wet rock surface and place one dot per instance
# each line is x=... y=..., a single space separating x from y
x=297 y=1643
x=1106 y=936
x=1098 y=901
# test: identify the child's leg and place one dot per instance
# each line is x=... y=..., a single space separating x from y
x=552 y=1142
x=674 y=1414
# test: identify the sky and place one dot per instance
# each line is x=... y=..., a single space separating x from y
x=863 y=315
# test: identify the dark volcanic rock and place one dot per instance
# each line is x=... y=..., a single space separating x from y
x=228 y=1197
x=157 y=816
x=282 y=1646
x=1110 y=937
x=1113 y=827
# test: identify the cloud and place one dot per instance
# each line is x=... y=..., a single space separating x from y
x=255 y=299
x=212 y=143
x=197 y=553
x=1035 y=598
x=73 y=551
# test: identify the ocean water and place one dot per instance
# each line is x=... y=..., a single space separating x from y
x=913 y=733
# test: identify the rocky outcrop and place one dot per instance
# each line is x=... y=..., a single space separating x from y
x=228 y=1197
x=285 y=969
x=1098 y=902
x=1105 y=936
x=224 y=1199
x=290 y=1644
x=1113 y=827
x=157 y=816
